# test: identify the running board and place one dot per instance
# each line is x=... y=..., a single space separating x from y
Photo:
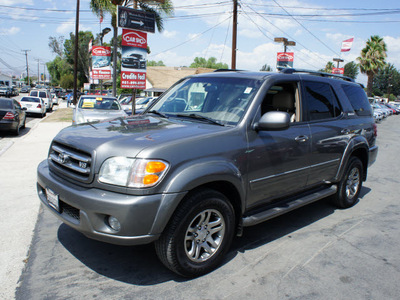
x=288 y=206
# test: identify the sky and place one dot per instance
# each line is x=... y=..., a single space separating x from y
x=203 y=28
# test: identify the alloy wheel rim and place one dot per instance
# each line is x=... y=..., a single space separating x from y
x=352 y=184
x=204 y=235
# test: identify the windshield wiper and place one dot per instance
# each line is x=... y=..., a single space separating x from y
x=156 y=112
x=201 y=117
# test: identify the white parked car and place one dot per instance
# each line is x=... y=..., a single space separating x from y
x=34 y=105
x=54 y=98
x=96 y=108
x=45 y=95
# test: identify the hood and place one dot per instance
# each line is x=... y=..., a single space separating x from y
x=129 y=136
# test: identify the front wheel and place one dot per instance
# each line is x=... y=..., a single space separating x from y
x=350 y=186
x=198 y=235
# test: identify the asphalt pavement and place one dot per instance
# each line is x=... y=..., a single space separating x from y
x=316 y=252
x=19 y=204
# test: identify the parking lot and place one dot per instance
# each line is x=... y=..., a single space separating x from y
x=317 y=252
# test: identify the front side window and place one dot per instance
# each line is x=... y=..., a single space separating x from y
x=223 y=100
x=321 y=101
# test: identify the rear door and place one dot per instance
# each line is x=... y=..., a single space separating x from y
x=329 y=137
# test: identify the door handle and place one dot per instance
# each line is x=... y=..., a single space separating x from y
x=301 y=138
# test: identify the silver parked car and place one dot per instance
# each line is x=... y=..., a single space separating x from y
x=96 y=108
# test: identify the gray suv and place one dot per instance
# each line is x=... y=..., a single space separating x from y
x=215 y=153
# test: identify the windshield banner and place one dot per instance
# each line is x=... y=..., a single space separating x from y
x=133 y=62
x=101 y=62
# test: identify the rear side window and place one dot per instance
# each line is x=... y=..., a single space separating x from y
x=358 y=100
x=42 y=95
x=321 y=101
x=34 y=93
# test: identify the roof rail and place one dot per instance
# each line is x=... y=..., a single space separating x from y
x=317 y=73
x=227 y=70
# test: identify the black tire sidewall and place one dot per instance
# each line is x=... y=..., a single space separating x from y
x=210 y=200
x=342 y=200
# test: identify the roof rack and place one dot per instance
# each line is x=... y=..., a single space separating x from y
x=227 y=70
x=322 y=74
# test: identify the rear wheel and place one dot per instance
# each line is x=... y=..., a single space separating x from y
x=350 y=186
x=198 y=235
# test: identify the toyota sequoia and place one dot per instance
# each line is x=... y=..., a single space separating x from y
x=215 y=153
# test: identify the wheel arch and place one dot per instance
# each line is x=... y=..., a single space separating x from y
x=357 y=148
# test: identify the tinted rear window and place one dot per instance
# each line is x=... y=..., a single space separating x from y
x=42 y=95
x=5 y=104
x=358 y=100
x=30 y=99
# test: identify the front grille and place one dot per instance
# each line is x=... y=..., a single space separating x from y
x=69 y=210
x=71 y=162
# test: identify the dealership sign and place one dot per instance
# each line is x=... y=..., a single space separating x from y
x=285 y=59
x=136 y=19
x=338 y=71
x=134 y=59
x=101 y=62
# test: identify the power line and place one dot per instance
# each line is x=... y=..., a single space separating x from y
x=318 y=39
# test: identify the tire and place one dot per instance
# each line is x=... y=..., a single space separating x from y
x=16 y=131
x=24 y=124
x=188 y=246
x=350 y=186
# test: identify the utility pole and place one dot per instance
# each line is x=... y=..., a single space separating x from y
x=234 y=34
x=38 y=78
x=27 y=67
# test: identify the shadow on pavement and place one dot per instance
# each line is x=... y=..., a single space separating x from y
x=139 y=265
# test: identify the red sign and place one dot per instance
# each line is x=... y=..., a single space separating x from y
x=339 y=71
x=285 y=59
x=285 y=56
x=101 y=51
x=134 y=38
x=133 y=80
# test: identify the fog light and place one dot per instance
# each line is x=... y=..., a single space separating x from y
x=114 y=223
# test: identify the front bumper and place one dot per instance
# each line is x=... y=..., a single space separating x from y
x=142 y=218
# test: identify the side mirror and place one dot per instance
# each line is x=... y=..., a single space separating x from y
x=273 y=120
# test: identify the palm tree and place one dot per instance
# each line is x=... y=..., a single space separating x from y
x=372 y=59
x=160 y=8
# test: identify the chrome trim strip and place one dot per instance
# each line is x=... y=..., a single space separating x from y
x=293 y=171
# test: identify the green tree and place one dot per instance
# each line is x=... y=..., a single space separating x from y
x=328 y=67
x=83 y=53
x=372 y=59
x=58 y=67
x=152 y=63
x=266 y=68
x=67 y=81
x=386 y=81
x=160 y=8
x=351 y=70
x=211 y=63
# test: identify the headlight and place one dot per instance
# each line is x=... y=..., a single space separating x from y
x=129 y=172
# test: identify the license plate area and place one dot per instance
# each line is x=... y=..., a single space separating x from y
x=53 y=199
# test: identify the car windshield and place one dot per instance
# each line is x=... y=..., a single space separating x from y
x=223 y=100
x=99 y=103
x=30 y=99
